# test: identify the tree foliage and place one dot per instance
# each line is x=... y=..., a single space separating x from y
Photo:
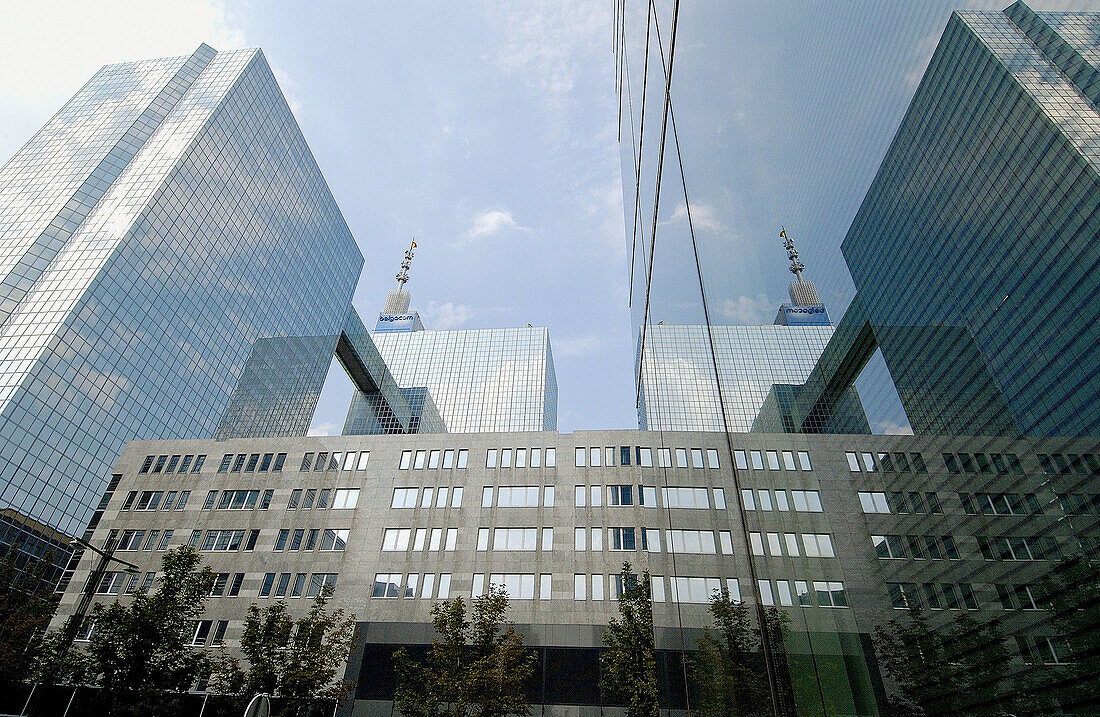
x=140 y=650
x=958 y=670
x=477 y=666
x=295 y=660
x=1071 y=591
x=629 y=672
x=26 y=605
x=729 y=672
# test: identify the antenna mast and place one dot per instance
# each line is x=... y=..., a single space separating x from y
x=403 y=275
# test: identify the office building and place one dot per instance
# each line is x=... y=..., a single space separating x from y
x=479 y=380
x=842 y=534
x=172 y=264
x=974 y=252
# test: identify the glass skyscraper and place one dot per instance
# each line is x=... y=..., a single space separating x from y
x=166 y=227
x=975 y=250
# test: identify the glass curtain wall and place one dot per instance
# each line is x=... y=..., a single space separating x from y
x=935 y=176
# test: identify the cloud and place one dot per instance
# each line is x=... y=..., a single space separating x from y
x=490 y=222
x=325 y=429
x=289 y=87
x=570 y=346
x=750 y=311
x=892 y=428
x=446 y=316
x=703 y=217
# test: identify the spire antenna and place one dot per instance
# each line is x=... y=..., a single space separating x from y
x=403 y=275
x=802 y=292
x=796 y=266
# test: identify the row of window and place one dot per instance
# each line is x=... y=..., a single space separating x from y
x=757 y=460
x=982 y=463
x=238 y=500
x=222 y=586
x=173 y=464
x=114 y=582
x=524 y=457
x=919 y=547
x=1000 y=504
x=621 y=495
x=398 y=539
x=1069 y=463
x=144 y=540
x=281 y=585
x=1080 y=503
x=406 y=497
x=1015 y=549
x=249 y=463
x=332 y=539
x=223 y=541
x=396 y=585
x=156 y=500
x=824 y=593
x=935 y=596
x=310 y=498
x=335 y=461
x=1019 y=597
x=889 y=463
x=803 y=501
x=900 y=503
x=447 y=459
x=814 y=545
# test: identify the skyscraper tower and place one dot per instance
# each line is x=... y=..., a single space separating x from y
x=154 y=233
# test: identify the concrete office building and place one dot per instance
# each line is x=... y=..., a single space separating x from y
x=172 y=264
x=841 y=532
x=975 y=249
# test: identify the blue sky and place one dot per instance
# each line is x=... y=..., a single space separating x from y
x=488 y=131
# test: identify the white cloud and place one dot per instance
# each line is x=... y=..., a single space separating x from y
x=892 y=428
x=490 y=222
x=446 y=316
x=749 y=310
x=703 y=217
x=570 y=346
x=325 y=429
x=289 y=87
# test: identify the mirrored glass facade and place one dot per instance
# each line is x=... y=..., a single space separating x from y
x=955 y=204
x=165 y=221
x=480 y=379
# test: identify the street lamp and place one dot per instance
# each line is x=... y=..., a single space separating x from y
x=72 y=626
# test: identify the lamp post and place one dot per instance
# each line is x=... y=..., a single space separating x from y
x=72 y=626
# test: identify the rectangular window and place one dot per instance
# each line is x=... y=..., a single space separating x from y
x=579 y=493
x=349 y=497
x=548 y=496
x=596 y=496
x=597 y=587
x=694 y=589
x=282 y=585
x=664 y=457
x=647 y=496
x=691 y=541
x=487 y=497
x=594 y=457
x=547 y=538
x=441 y=497
x=580 y=536
x=402 y=498
x=551 y=457
x=517 y=586
x=418 y=460
x=505 y=457
x=544 y=587
x=757 y=460
x=266 y=585
x=337 y=539
x=299 y=585
x=406 y=460
x=280 y=459
x=748 y=499
x=712 y=458
x=452 y=539
x=873 y=502
x=597 y=539
x=681 y=458
x=536 y=458
x=428 y=586
x=463 y=456
x=741 y=460
x=433 y=460
x=580 y=583
x=307 y=462
x=295 y=499
x=765 y=497
x=252 y=461
x=697 y=457
x=514 y=539
x=620 y=495
x=387 y=585
x=395 y=539
x=621 y=539
x=521 y=458
x=581 y=457
x=685 y=497
x=322 y=461
x=449 y=458
x=349 y=460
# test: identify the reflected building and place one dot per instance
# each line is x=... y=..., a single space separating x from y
x=975 y=250
x=172 y=264
x=760 y=371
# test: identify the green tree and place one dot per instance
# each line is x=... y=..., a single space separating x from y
x=294 y=660
x=728 y=671
x=478 y=666
x=629 y=672
x=140 y=651
x=958 y=670
x=1071 y=591
x=27 y=603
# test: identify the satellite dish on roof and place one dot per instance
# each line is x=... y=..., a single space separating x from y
x=260 y=706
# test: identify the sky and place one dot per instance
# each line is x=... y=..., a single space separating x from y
x=489 y=131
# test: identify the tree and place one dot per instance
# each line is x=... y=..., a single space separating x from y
x=957 y=670
x=297 y=661
x=629 y=672
x=728 y=671
x=479 y=666
x=26 y=605
x=1071 y=591
x=140 y=650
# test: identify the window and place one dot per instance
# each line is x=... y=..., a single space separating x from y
x=547 y=538
x=322 y=461
x=487 y=497
x=227 y=459
x=402 y=498
x=579 y=538
x=581 y=458
x=748 y=499
x=518 y=586
x=318 y=581
x=620 y=495
x=765 y=497
x=594 y=457
x=536 y=458
x=200 y=630
x=456 y=497
x=694 y=589
x=548 y=496
x=551 y=457
x=433 y=460
x=580 y=583
x=448 y=461
x=463 y=456
x=211 y=496
x=597 y=539
x=164 y=540
x=406 y=460
x=853 y=462
x=395 y=539
x=579 y=493
x=349 y=497
x=544 y=587
x=873 y=502
x=418 y=460
x=818 y=545
x=685 y=497
x=624 y=455
x=299 y=585
x=266 y=585
x=757 y=460
x=621 y=539
x=830 y=594
x=282 y=585
x=597 y=587
x=696 y=457
x=238 y=464
x=741 y=460
x=323 y=498
x=596 y=496
x=788 y=461
x=295 y=499
x=647 y=496
x=337 y=539
x=130 y=498
x=387 y=585
x=252 y=461
x=725 y=539
x=773 y=460
x=518 y=497
x=806 y=501
x=712 y=458
x=664 y=457
x=482 y=539
x=521 y=458
x=681 y=458
x=514 y=538
x=280 y=541
x=307 y=462
x=756 y=543
x=349 y=460
x=426 y=500
x=452 y=539
x=692 y=541
x=280 y=459
x=804 y=461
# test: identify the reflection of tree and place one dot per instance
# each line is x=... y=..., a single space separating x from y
x=958 y=670
x=729 y=675
x=1072 y=593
